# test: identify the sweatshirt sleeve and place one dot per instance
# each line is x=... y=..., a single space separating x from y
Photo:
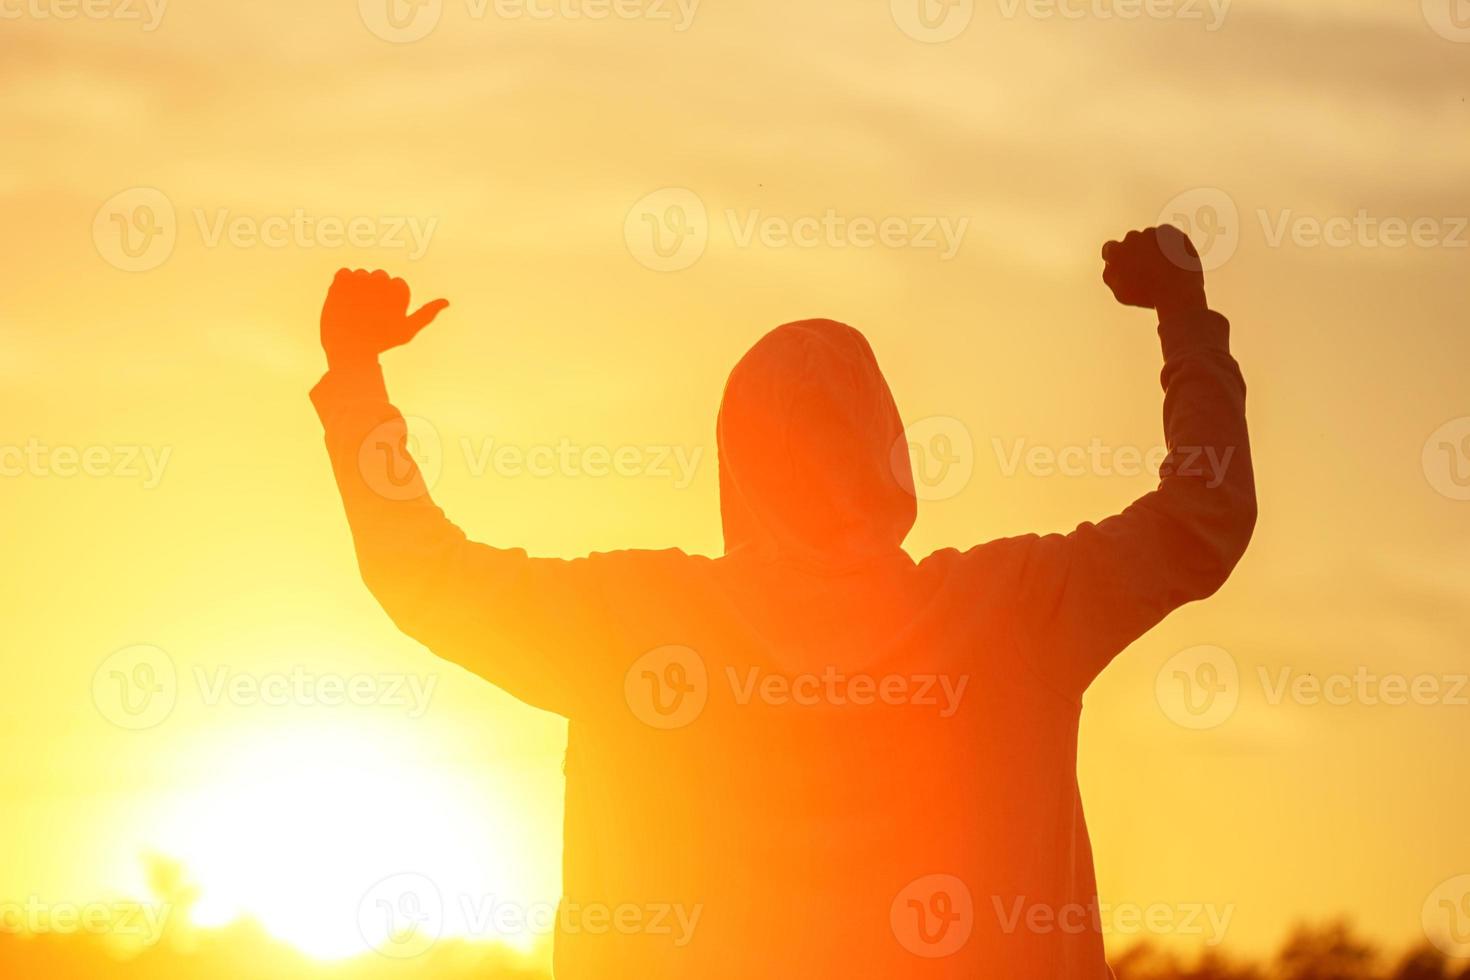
x=1086 y=595
x=531 y=626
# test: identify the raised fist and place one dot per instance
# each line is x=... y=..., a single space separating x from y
x=366 y=313
x=1157 y=268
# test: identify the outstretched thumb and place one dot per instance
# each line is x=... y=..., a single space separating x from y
x=425 y=314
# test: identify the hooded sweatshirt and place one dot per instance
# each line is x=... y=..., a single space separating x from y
x=814 y=756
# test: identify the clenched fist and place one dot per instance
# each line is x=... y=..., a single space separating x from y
x=366 y=313
x=1157 y=268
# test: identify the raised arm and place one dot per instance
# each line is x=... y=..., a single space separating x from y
x=1088 y=594
x=523 y=623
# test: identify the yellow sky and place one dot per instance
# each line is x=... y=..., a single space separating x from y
x=516 y=146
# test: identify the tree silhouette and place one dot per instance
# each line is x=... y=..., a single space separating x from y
x=1329 y=952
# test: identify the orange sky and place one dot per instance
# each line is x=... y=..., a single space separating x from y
x=528 y=155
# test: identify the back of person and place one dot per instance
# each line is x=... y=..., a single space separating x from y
x=890 y=798
x=813 y=756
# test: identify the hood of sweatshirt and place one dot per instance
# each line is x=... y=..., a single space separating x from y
x=814 y=466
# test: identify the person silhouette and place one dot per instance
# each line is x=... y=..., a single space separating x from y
x=813 y=755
